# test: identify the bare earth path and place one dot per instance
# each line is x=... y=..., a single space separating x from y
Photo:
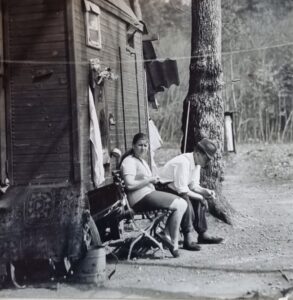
x=256 y=260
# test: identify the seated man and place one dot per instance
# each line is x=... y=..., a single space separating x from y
x=182 y=173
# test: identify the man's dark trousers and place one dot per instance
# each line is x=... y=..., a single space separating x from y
x=195 y=215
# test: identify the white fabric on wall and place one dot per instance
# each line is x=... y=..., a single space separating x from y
x=97 y=149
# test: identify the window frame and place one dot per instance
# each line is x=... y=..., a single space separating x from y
x=92 y=10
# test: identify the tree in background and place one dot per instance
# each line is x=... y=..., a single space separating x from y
x=251 y=33
x=284 y=82
x=203 y=110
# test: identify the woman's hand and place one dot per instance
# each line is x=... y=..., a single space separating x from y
x=153 y=179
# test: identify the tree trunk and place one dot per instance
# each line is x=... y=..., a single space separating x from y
x=206 y=118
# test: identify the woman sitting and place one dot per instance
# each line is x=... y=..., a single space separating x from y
x=142 y=195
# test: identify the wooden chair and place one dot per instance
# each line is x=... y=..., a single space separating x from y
x=156 y=218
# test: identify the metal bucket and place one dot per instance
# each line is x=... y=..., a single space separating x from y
x=92 y=269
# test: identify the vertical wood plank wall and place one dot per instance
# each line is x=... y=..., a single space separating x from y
x=2 y=106
x=38 y=97
x=45 y=206
x=113 y=33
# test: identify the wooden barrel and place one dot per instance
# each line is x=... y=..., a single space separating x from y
x=92 y=269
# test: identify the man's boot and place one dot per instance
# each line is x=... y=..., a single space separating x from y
x=204 y=238
x=188 y=244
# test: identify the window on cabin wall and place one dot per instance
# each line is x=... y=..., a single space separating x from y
x=93 y=25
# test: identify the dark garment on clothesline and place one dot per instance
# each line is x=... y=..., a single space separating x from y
x=163 y=74
x=159 y=74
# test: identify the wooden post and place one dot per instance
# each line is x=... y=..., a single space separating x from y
x=122 y=96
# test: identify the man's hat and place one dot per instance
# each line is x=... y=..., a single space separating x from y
x=208 y=147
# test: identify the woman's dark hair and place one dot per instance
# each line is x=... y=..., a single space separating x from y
x=139 y=136
x=136 y=138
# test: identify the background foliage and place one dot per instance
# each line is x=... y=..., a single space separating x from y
x=257 y=48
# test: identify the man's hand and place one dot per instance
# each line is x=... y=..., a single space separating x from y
x=210 y=194
x=205 y=204
x=200 y=198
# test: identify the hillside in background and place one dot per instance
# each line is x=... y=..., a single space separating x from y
x=257 y=48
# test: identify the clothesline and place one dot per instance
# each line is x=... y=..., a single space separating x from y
x=240 y=51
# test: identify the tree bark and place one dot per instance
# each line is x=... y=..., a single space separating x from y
x=206 y=118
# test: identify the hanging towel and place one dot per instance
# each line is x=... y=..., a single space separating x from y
x=97 y=149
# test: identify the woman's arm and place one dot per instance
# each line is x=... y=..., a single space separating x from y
x=133 y=184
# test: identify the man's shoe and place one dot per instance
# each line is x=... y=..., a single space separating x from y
x=205 y=239
x=191 y=246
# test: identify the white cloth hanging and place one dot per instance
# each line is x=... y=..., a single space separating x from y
x=97 y=149
x=229 y=133
x=155 y=143
x=155 y=138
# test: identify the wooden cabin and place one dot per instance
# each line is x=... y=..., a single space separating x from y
x=47 y=47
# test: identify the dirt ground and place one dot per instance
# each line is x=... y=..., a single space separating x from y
x=254 y=262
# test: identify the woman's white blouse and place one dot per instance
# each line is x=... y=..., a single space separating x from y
x=140 y=170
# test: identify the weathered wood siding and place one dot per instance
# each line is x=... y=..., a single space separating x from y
x=44 y=206
x=39 y=143
x=113 y=31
